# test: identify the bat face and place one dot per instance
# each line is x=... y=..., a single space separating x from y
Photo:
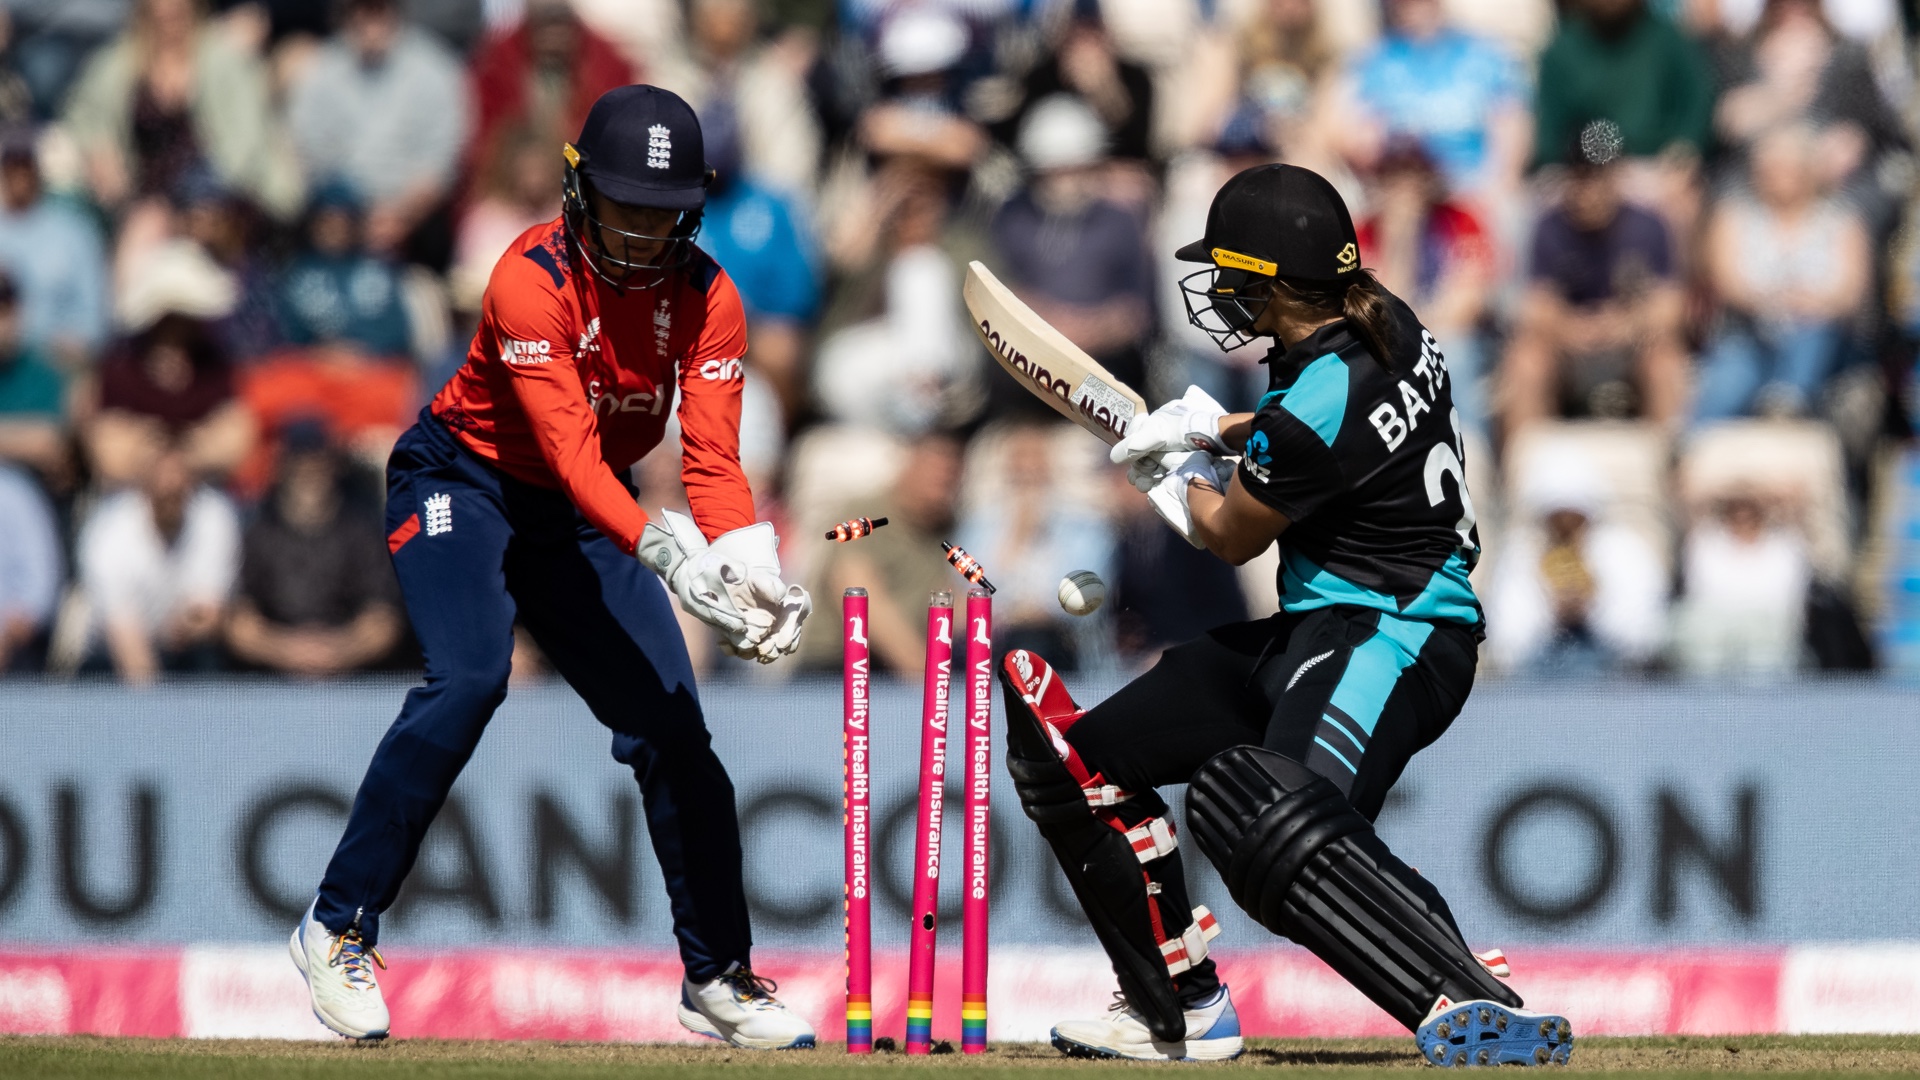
x=1046 y=363
x=1092 y=403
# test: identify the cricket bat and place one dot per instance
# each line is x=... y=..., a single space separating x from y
x=1061 y=374
x=1041 y=359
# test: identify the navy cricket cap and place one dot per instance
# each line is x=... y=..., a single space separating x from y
x=641 y=146
x=1279 y=221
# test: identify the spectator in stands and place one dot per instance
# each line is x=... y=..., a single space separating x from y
x=32 y=399
x=759 y=90
x=918 y=116
x=316 y=594
x=54 y=254
x=1287 y=64
x=1789 y=269
x=1084 y=64
x=349 y=341
x=896 y=352
x=517 y=191
x=31 y=571
x=1622 y=62
x=1029 y=534
x=1285 y=56
x=1433 y=253
x=1461 y=97
x=1747 y=578
x=1617 y=60
x=539 y=77
x=1573 y=593
x=157 y=563
x=900 y=565
x=169 y=93
x=384 y=107
x=1795 y=69
x=338 y=294
x=1078 y=259
x=1602 y=303
x=170 y=382
x=225 y=226
x=755 y=231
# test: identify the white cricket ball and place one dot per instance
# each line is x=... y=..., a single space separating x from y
x=1082 y=592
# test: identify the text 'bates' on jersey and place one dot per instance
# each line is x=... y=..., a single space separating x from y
x=1366 y=459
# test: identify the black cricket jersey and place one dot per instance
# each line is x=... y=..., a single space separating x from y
x=1365 y=459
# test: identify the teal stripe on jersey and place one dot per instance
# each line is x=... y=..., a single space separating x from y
x=1306 y=586
x=1375 y=667
x=1328 y=747
x=1318 y=398
x=1342 y=729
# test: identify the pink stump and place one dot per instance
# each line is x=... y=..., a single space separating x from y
x=922 y=943
x=858 y=820
x=977 y=750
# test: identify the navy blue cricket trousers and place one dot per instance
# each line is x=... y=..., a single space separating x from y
x=488 y=546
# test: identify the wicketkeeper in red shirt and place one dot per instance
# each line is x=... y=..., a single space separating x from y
x=509 y=499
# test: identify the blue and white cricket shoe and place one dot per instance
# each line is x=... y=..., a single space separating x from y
x=1474 y=1033
x=739 y=1009
x=340 y=981
x=1213 y=1034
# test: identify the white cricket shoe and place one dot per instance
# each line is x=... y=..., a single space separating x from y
x=739 y=1008
x=1213 y=1034
x=339 y=973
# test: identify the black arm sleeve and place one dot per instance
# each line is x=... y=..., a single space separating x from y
x=1286 y=465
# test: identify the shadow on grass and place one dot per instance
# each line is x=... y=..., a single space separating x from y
x=1304 y=1056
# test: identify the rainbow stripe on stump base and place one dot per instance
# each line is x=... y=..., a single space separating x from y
x=919 y=1023
x=859 y=1024
x=973 y=1024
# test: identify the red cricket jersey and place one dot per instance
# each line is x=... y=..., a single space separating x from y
x=569 y=381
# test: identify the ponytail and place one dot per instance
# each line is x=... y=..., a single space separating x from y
x=1359 y=300
x=1366 y=312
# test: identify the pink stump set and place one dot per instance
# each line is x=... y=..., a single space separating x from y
x=977 y=758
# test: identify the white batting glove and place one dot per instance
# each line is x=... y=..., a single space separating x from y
x=1191 y=423
x=1146 y=472
x=1168 y=496
x=703 y=579
x=773 y=610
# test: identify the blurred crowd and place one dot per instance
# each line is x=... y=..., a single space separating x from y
x=1666 y=247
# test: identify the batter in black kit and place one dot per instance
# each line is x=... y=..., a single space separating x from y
x=1290 y=730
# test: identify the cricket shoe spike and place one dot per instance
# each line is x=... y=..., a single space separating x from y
x=340 y=980
x=1469 y=1034
x=1213 y=1034
x=739 y=1008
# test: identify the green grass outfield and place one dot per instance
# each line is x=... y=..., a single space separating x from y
x=165 y=1059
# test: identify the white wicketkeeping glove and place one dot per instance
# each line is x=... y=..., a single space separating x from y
x=702 y=578
x=1168 y=495
x=1191 y=423
x=774 y=610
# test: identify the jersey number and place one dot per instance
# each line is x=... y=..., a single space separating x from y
x=1442 y=460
